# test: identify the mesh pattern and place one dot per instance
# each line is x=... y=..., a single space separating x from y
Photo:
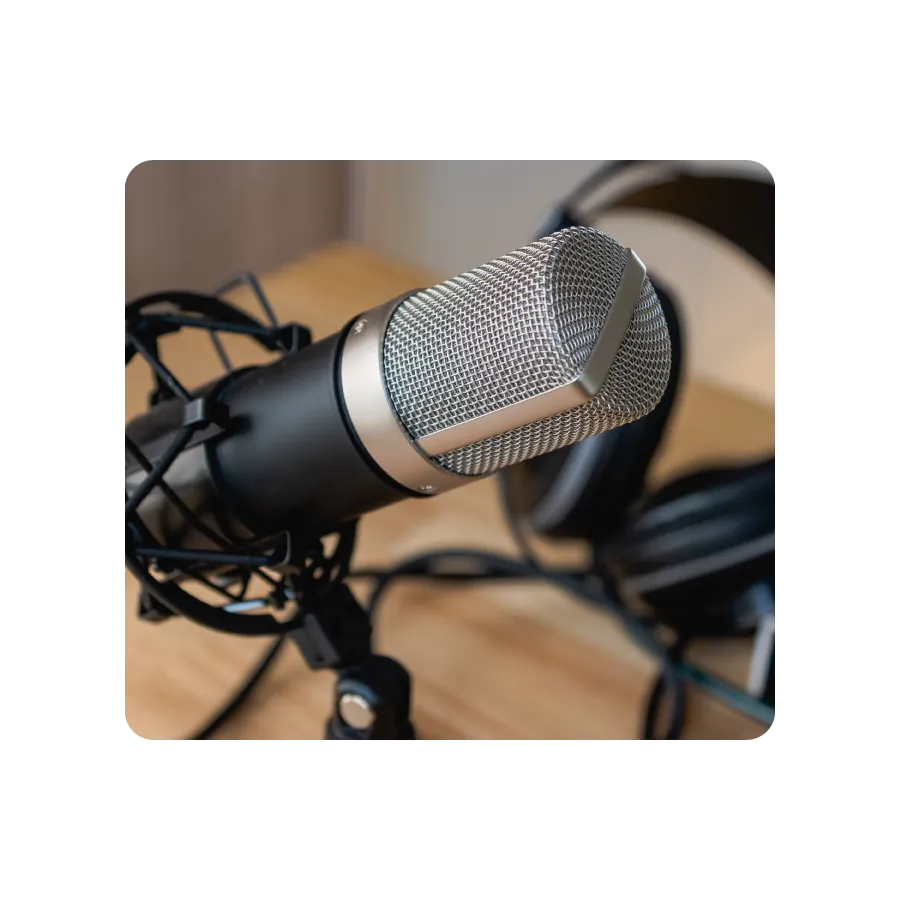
x=517 y=327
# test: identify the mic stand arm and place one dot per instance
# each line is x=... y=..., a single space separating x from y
x=372 y=693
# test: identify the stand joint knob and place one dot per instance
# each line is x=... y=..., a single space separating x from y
x=356 y=711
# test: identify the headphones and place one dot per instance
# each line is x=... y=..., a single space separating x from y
x=700 y=550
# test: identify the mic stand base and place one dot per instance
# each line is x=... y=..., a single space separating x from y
x=372 y=693
x=371 y=702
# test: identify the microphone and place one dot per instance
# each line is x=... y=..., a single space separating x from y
x=534 y=351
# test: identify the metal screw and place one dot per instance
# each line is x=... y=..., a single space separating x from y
x=356 y=711
x=359 y=326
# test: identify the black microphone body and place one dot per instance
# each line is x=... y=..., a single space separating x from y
x=292 y=433
x=288 y=457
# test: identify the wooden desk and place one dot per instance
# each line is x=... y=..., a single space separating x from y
x=513 y=661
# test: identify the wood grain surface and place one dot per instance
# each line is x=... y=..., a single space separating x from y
x=517 y=661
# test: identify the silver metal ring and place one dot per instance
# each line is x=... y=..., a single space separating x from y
x=372 y=415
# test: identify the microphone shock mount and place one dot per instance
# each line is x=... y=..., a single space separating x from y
x=289 y=583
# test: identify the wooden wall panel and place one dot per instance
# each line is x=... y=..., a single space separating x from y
x=193 y=224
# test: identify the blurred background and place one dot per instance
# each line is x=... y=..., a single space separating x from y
x=192 y=224
x=332 y=238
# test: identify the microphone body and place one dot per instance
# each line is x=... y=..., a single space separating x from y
x=288 y=458
x=431 y=391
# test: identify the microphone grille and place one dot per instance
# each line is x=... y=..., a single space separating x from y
x=517 y=327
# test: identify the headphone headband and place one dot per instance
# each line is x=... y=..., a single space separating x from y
x=739 y=208
x=585 y=490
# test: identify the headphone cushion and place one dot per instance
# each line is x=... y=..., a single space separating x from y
x=701 y=540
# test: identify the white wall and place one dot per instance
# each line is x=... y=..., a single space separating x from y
x=453 y=216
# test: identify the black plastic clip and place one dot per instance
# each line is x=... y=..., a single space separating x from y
x=202 y=412
x=293 y=337
x=150 y=609
x=335 y=633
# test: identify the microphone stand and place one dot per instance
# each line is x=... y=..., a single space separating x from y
x=372 y=692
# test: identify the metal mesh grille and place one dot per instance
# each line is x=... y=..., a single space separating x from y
x=517 y=327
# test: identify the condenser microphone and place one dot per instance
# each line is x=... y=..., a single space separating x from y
x=540 y=348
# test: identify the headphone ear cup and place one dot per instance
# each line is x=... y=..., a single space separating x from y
x=584 y=490
x=695 y=549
